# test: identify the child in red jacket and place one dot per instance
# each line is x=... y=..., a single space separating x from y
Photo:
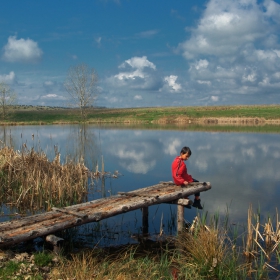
x=180 y=173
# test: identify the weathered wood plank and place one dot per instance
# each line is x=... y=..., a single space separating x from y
x=137 y=194
x=67 y=211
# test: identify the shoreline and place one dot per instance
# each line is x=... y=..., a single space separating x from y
x=221 y=121
x=178 y=120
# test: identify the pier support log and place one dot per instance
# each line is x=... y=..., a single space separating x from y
x=180 y=219
x=182 y=201
x=55 y=241
x=145 y=220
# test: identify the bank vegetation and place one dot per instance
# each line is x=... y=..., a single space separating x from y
x=233 y=115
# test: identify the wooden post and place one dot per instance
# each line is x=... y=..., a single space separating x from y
x=145 y=220
x=180 y=219
x=180 y=227
x=55 y=241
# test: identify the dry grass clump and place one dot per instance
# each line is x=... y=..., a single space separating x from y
x=262 y=246
x=29 y=181
x=123 y=265
x=206 y=252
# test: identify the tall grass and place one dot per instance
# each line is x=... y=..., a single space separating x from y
x=262 y=246
x=29 y=181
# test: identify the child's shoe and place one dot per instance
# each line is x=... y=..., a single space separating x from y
x=197 y=204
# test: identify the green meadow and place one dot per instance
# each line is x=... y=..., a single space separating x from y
x=56 y=115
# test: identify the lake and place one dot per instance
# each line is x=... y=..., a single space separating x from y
x=243 y=169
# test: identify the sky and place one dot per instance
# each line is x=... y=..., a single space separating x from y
x=148 y=53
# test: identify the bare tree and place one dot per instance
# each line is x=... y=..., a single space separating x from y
x=7 y=98
x=81 y=86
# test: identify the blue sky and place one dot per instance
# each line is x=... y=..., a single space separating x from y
x=146 y=53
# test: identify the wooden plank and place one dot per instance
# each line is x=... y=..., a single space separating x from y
x=137 y=194
x=67 y=211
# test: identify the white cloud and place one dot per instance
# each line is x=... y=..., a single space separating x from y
x=54 y=97
x=138 y=63
x=50 y=96
x=250 y=78
x=147 y=34
x=201 y=64
x=140 y=73
x=21 y=50
x=9 y=78
x=138 y=97
x=225 y=26
x=233 y=50
x=267 y=54
x=272 y=10
x=208 y=83
x=171 y=81
x=215 y=98
x=131 y=75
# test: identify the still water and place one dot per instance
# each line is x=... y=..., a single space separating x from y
x=243 y=169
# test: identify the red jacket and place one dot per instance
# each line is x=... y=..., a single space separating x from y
x=179 y=172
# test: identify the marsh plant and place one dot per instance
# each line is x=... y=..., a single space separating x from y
x=219 y=252
x=262 y=245
x=29 y=181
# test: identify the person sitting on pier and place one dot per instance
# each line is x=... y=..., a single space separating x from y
x=180 y=173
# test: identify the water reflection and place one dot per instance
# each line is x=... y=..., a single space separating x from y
x=242 y=167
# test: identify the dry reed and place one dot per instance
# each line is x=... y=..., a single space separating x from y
x=203 y=250
x=262 y=248
x=29 y=181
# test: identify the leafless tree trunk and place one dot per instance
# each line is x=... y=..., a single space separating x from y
x=7 y=98
x=81 y=86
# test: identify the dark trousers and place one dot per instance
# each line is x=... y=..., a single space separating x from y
x=198 y=193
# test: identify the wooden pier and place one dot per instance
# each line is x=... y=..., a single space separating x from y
x=44 y=224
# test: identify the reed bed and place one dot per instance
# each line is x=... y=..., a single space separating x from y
x=30 y=182
x=262 y=246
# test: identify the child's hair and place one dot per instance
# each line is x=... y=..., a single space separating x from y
x=186 y=150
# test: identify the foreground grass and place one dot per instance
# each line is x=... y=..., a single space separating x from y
x=203 y=251
x=47 y=115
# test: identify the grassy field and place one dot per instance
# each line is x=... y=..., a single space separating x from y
x=206 y=115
